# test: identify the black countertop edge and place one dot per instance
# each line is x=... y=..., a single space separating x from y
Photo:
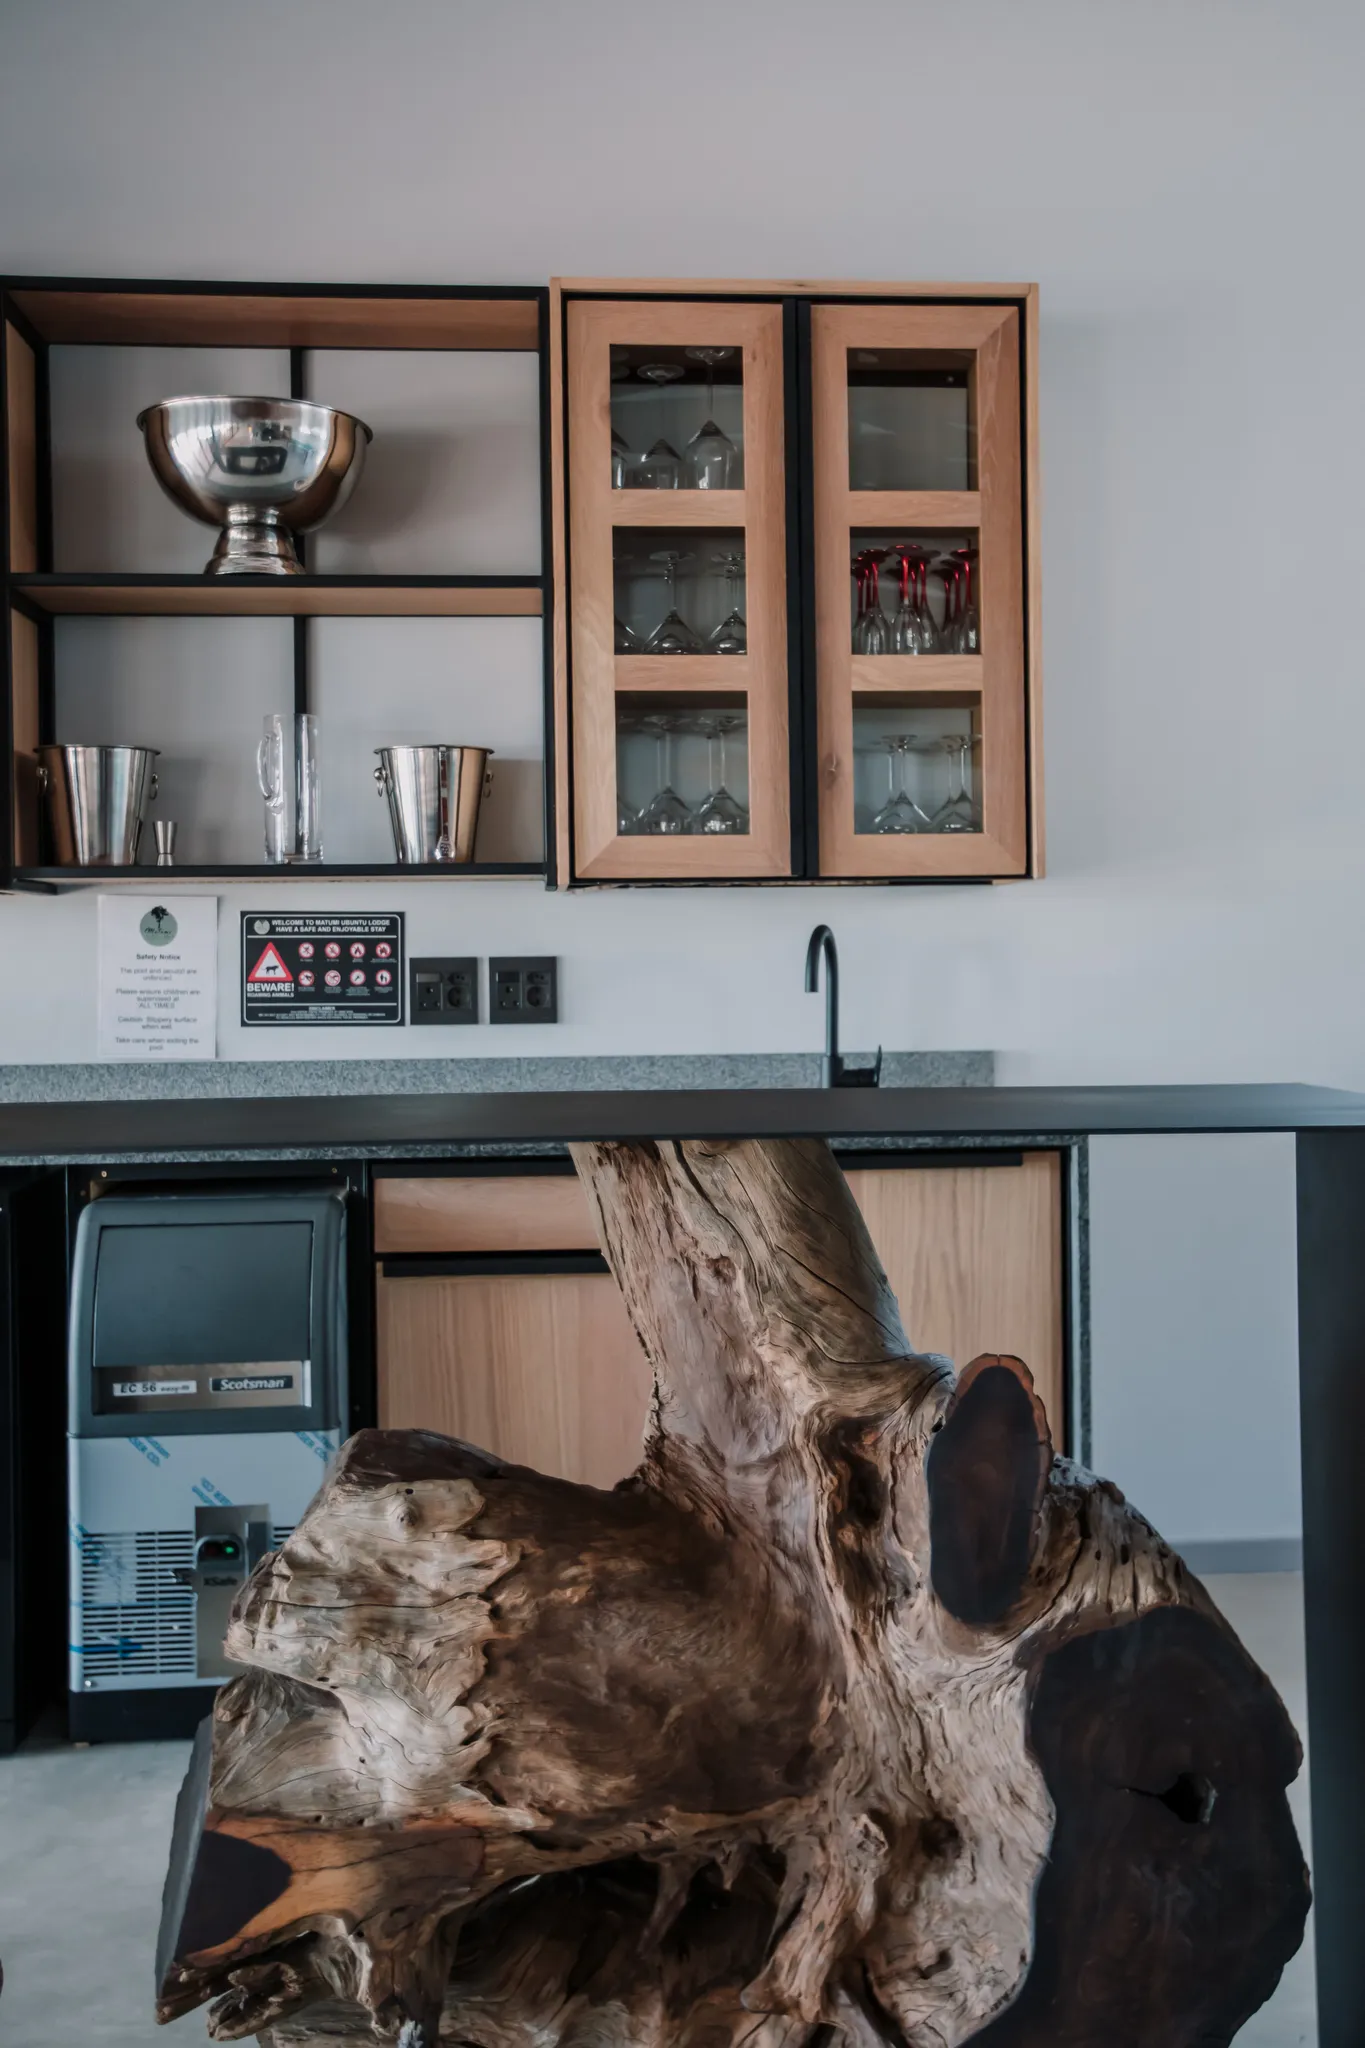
x=396 y=1126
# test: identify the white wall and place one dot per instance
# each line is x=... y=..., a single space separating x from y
x=1183 y=182
x=1194 y=1339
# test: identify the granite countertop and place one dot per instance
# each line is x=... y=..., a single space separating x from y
x=451 y=1126
x=196 y=1080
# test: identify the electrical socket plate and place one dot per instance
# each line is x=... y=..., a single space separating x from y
x=443 y=990
x=524 y=989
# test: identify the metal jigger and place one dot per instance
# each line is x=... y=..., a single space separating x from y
x=165 y=842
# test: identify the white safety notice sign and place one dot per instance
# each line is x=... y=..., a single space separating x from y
x=158 y=977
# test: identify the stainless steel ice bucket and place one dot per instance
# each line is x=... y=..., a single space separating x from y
x=96 y=801
x=434 y=795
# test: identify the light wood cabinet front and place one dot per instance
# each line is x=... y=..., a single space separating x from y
x=974 y=1255
x=611 y=522
x=880 y=686
x=544 y=1369
x=541 y=1369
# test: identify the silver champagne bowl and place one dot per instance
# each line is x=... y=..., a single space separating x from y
x=262 y=469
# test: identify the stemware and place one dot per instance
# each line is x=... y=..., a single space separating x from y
x=900 y=812
x=719 y=811
x=958 y=813
x=622 y=461
x=969 y=621
x=665 y=814
x=625 y=640
x=871 y=634
x=672 y=635
x=731 y=635
x=930 y=639
x=711 y=461
x=661 y=468
x=907 y=630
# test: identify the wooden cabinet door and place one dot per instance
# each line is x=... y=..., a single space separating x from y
x=618 y=353
x=918 y=477
x=974 y=1254
x=542 y=1369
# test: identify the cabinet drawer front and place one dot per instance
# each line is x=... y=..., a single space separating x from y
x=518 y=1213
x=542 y=1370
x=974 y=1256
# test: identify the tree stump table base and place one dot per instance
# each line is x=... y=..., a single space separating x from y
x=854 y=1710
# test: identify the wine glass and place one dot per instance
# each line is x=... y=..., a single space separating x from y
x=625 y=640
x=731 y=635
x=622 y=461
x=969 y=622
x=958 y=813
x=900 y=812
x=719 y=811
x=665 y=814
x=711 y=461
x=871 y=634
x=930 y=640
x=660 y=469
x=672 y=635
x=906 y=632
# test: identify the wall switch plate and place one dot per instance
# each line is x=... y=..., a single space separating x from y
x=524 y=989
x=443 y=991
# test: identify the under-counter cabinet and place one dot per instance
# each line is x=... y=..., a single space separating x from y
x=498 y=1322
x=796 y=550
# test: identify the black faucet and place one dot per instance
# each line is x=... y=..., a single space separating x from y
x=834 y=1071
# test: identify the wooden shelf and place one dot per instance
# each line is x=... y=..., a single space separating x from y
x=254 y=597
x=682 y=673
x=677 y=508
x=378 y=871
x=923 y=511
x=248 y=316
x=921 y=675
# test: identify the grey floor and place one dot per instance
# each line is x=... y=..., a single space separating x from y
x=83 y=1837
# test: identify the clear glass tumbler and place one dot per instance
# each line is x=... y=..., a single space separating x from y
x=307 y=789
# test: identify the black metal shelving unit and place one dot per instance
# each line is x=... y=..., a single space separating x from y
x=38 y=312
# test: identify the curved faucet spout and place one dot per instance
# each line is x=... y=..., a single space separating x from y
x=822 y=941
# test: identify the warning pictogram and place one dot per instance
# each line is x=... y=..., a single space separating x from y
x=312 y=967
x=270 y=967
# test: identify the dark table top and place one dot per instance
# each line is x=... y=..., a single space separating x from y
x=397 y=1126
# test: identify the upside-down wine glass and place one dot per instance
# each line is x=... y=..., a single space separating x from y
x=665 y=815
x=719 y=812
x=661 y=469
x=969 y=619
x=958 y=813
x=672 y=635
x=625 y=640
x=622 y=461
x=711 y=461
x=871 y=633
x=900 y=812
x=731 y=635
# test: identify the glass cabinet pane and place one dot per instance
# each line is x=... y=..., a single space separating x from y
x=682 y=764
x=910 y=420
x=914 y=592
x=916 y=765
x=679 y=590
x=677 y=416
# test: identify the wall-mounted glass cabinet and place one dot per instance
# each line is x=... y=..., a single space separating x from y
x=795 y=531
